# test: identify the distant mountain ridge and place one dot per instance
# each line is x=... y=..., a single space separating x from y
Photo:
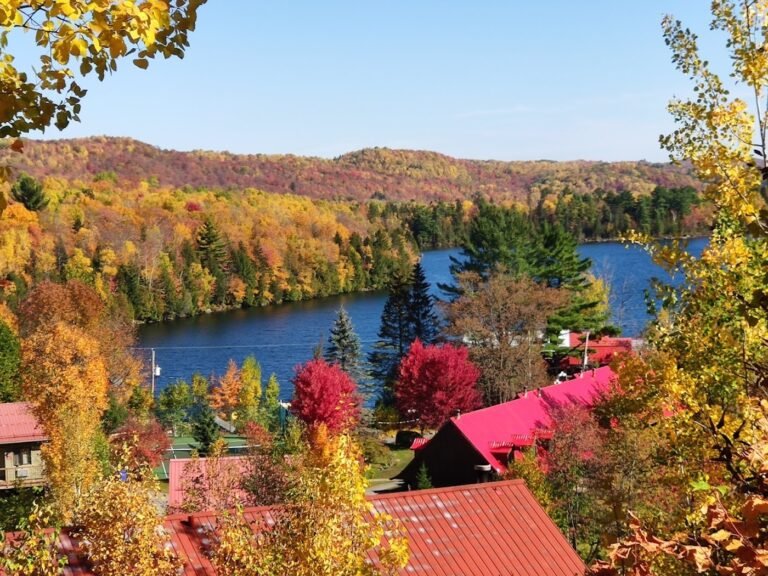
x=370 y=173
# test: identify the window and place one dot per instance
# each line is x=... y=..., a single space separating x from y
x=22 y=457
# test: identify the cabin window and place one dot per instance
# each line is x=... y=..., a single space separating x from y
x=22 y=457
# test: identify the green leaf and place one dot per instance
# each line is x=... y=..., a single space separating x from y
x=700 y=485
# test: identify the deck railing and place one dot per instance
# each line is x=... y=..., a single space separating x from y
x=26 y=475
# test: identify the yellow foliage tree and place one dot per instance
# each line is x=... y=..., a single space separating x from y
x=77 y=37
x=121 y=531
x=710 y=367
x=327 y=529
x=250 y=392
x=65 y=380
x=34 y=549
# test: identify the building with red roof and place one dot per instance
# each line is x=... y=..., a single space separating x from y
x=186 y=472
x=492 y=529
x=599 y=351
x=486 y=440
x=20 y=441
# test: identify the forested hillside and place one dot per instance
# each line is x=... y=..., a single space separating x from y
x=378 y=173
x=168 y=253
x=174 y=234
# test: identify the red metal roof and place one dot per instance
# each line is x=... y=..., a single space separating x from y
x=418 y=443
x=494 y=529
x=601 y=351
x=515 y=422
x=18 y=424
x=184 y=469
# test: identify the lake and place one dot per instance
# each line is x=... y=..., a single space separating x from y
x=282 y=336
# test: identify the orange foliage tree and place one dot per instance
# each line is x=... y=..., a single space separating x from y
x=65 y=380
x=225 y=397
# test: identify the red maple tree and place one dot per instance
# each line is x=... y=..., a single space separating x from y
x=435 y=382
x=146 y=442
x=325 y=394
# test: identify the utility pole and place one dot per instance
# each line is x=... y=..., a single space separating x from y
x=156 y=370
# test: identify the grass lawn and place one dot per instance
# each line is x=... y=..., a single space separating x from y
x=183 y=446
x=401 y=458
x=187 y=442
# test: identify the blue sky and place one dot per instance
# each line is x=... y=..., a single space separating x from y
x=507 y=79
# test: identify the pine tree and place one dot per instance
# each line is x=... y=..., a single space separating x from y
x=496 y=237
x=557 y=264
x=343 y=347
x=205 y=431
x=395 y=336
x=29 y=192
x=423 y=481
x=424 y=321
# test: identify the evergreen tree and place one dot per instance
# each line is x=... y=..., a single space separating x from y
x=205 y=431
x=425 y=324
x=395 y=336
x=271 y=408
x=245 y=268
x=29 y=192
x=423 y=481
x=555 y=260
x=211 y=248
x=496 y=237
x=557 y=264
x=343 y=347
x=10 y=359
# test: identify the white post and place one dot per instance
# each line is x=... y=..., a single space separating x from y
x=153 y=372
x=586 y=346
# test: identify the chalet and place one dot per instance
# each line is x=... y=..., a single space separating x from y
x=483 y=442
x=494 y=529
x=20 y=441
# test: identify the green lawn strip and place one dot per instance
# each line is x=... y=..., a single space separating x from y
x=183 y=446
x=401 y=458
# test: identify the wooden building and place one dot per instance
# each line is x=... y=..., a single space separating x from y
x=20 y=441
x=473 y=446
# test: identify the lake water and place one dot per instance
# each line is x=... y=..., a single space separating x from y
x=285 y=335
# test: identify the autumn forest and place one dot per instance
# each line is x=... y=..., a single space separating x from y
x=173 y=234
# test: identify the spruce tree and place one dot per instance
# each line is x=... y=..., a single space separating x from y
x=425 y=324
x=395 y=336
x=211 y=247
x=205 y=431
x=29 y=192
x=343 y=348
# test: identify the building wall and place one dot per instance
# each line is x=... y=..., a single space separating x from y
x=9 y=473
x=449 y=457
